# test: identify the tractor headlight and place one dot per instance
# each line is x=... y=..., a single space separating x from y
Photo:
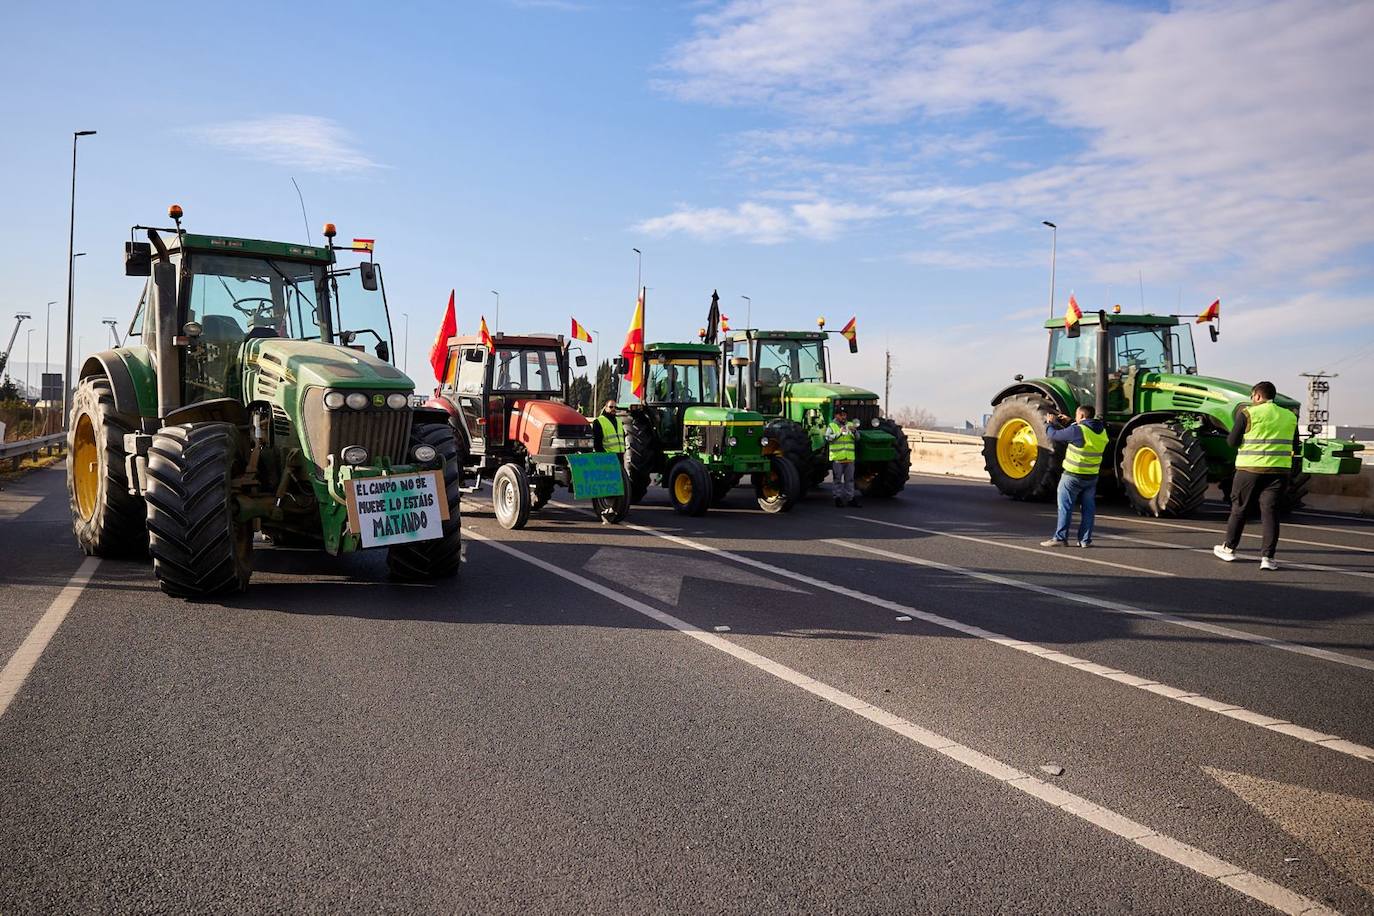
x=732 y=442
x=763 y=441
x=873 y=422
x=356 y=399
x=425 y=453
x=571 y=443
x=354 y=455
x=396 y=400
x=334 y=399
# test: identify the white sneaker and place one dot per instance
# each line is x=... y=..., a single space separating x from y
x=1266 y=563
x=1085 y=543
x=1222 y=552
x=1054 y=542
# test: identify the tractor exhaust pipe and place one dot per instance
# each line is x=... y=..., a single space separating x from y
x=1103 y=351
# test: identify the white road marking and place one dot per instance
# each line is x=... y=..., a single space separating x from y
x=1348 y=529
x=1283 y=561
x=17 y=669
x=1248 y=534
x=1203 y=863
x=660 y=575
x=1116 y=606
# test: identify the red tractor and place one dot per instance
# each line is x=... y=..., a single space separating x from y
x=509 y=411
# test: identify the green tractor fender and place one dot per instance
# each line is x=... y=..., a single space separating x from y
x=132 y=380
x=1054 y=389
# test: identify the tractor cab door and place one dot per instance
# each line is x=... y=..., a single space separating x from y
x=1135 y=350
x=469 y=393
x=1074 y=359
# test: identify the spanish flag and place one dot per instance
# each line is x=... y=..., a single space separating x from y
x=1073 y=314
x=1213 y=311
x=485 y=336
x=438 y=353
x=633 y=351
x=850 y=333
x=725 y=323
x=364 y=245
x=579 y=332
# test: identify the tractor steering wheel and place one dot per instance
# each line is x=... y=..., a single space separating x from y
x=784 y=375
x=1132 y=355
x=265 y=312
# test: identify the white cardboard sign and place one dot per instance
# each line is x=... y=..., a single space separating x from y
x=397 y=509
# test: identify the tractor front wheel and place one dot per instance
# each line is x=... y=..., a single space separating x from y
x=794 y=444
x=689 y=487
x=614 y=508
x=643 y=455
x=442 y=556
x=107 y=521
x=1163 y=470
x=890 y=477
x=510 y=496
x=780 y=488
x=198 y=547
x=1021 y=460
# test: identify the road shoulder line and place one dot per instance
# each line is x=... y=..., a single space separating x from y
x=21 y=663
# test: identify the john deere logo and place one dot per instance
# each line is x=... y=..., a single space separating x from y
x=378 y=400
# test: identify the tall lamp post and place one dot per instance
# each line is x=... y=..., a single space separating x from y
x=71 y=261
x=639 y=271
x=497 y=327
x=28 y=363
x=405 y=347
x=1054 y=239
x=47 y=345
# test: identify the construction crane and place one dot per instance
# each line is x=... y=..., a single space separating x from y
x=19 y=319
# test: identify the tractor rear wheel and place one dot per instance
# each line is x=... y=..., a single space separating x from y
x=689 y=487
x=107 y=521
x=781 y=488
x=890 y=477
x=198 y=547
x=1163 y=470
x=510 y=496
x=1021 y=460
x=441 y=556
x=721 y=485
x=643 y=454
x=795 y=445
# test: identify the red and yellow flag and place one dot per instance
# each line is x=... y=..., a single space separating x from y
x=364 y=244
x=580 y=333
x=725 y=322
x=1072 y=314
x=485 y=336
x=438 y=353
x=1213 y=311
x=850 y=331
x=633 y=351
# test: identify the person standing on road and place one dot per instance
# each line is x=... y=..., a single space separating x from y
x=840 y=435
x=1265 y=437
x=1086 y=438
x=608 y=435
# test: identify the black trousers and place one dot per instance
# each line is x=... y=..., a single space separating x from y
x=1249 y=490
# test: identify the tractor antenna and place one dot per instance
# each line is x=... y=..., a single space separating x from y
x=1140 y=275
x=301 y=198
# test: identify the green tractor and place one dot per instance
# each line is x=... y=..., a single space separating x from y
x=246 y=400
x=784 y=375
x=1167 y=424
x=683 y=432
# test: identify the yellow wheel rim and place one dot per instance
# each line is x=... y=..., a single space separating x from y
x=771 y=488
x=1017 y=448
x=1147 y=472
x=85 y=467
x=682 y=488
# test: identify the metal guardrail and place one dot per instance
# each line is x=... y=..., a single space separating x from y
x=15 y=451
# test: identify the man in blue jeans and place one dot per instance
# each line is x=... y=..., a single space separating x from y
x=1086 y=439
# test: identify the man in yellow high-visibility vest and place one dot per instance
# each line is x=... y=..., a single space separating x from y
x=608 y=432
x=1265 y=437
x=1086 y=441
x=840 y=435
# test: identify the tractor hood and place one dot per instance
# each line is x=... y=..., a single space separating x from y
x=1215 y=393
x=309 y=363
x=829 y=391
x=721 y=416
x=542 y=412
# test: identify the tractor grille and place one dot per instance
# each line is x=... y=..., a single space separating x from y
x=281 y=423
x=865 y=412
x=383 y=432
x=712 y=439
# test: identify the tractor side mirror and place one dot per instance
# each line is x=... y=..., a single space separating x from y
x=473 y=356
x=1074 y=331
x=1212 y=330
x=138 y=259
x=383 y=351
x=580 y=360
x=367 y=272
x=854 y=345
x=622 y=365
x=739 y=362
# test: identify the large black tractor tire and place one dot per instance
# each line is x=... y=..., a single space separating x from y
x=510 y=496
x=106 y=520
x=890 y=477
x=541 y=491
x=614 y=508
x=721 y=485
x=1021 y=460
x=689 y=487
x=1163 y=471
x=781 y=488
x=442 y=556
x=795 y=445
x=198 y=547
x=643 y=455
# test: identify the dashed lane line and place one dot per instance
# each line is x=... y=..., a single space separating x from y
x=17 y=669
x=1313 y=567
x=1248 y=534
x=1196 y=860
x=1118 y=607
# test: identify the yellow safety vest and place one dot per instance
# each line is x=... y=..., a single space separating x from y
x=612 y=434
x=1086 y=460
x=842 y=446
x=1268 y=442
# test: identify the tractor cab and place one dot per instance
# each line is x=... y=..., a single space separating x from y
x=487 y=383
x=678 y=376
x=1134 y=344
x=776 y=361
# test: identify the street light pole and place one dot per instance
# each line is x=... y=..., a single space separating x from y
x=1054 y=240
x=639 y=271
x=71 y=261
x=28 y=363
x=47 y=344
x=496 y=327
x=405 y=347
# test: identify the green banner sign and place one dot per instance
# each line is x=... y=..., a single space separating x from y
x=596 y=475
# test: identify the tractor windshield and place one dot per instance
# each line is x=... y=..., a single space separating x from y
x=682 y=380
x=1145 y=349
x=361 y=317
x=791 y=361
x=521 y=369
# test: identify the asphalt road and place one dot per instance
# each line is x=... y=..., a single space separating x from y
x=699 y=715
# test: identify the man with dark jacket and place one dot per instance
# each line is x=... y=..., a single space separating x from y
x=1086 y=439
x=1265 y=437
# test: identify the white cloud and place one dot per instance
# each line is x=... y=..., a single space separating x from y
x=306 y=142
x=763 y=224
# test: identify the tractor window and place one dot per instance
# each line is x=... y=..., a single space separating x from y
x=362 y=313
x=1181 y=351
x=471 y=373
x=1074 y=359
x=527 y=370
x=791 y=361
x=1144 y=349
x=682 y=381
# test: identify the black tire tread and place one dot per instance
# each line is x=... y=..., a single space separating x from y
x=443 y=556
x=795 y=445
x=893 y=475
x=1040 y=484
x=1185 y=470
x=643 y=454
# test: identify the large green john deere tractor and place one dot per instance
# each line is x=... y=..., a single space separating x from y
x=246 y=400
x=1167 y=424
x=784 y=375
x=700 y=449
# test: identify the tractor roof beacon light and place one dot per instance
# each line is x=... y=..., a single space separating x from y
x=330 y=231
x=820 y=322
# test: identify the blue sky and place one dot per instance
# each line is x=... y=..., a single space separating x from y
x=886 y=158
